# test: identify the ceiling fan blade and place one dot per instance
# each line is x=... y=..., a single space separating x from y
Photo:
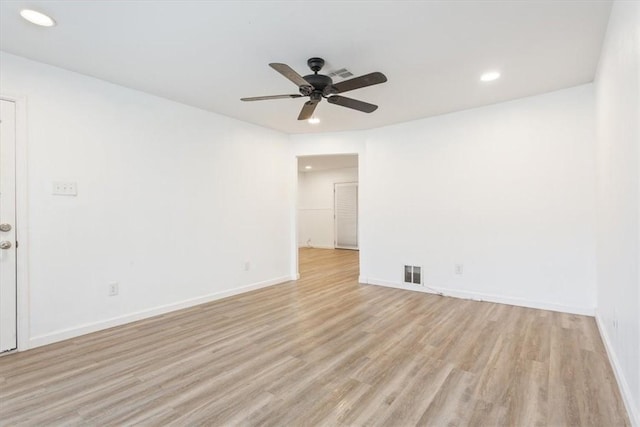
x=262 y=98
x=307 y=110
x=343 y=101
x=358 y=82
x=290 y=73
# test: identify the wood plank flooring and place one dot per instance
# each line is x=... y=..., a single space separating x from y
x=323 y=350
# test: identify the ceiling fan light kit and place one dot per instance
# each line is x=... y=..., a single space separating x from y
x=317 y=86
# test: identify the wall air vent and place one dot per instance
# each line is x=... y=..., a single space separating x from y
x=413 y=274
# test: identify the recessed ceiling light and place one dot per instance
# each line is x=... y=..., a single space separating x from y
x=490 y=76
x=308 y=167
x=37 y=18
x=314 y=120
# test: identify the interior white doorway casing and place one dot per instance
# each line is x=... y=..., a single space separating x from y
x=8 y=265
x=317 y=168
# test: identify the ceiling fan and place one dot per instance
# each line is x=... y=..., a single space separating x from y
x=317 y=86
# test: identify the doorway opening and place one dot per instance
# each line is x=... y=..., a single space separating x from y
x=327 y=209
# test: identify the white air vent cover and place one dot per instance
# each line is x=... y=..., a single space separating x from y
x=413 y=274
x=343 y=73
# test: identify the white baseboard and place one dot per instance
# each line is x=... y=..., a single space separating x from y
x=155 y=311
x=623 y=385
x=476 y=296
x=316 y=246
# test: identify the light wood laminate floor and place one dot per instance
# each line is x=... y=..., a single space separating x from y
x=323 y=351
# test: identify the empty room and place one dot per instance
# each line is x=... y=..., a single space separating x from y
x=320 y=213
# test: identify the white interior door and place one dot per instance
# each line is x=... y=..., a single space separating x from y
x=346 y=215
x=8 y=322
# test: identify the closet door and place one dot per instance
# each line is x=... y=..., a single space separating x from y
x=346 y=215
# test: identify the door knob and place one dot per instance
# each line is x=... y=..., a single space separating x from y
x=5 y=244
x=5 y=227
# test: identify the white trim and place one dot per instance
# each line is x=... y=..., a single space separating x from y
x=128 y=318
x=625 y=391
x=294 y=267
x=476 y=296
x=303 y=245
x=22 y=262
x=294 y=209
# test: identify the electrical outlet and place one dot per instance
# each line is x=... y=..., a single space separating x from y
x=113 y=289
x=246 y=266
x=65 y=188
x=459 y=269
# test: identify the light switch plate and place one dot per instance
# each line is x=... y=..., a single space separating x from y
x=65 y=188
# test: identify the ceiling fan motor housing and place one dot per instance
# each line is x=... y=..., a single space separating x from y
x=321 y=84
x=318 y=81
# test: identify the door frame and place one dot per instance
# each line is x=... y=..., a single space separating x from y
x=22 y=272
x=302 y=152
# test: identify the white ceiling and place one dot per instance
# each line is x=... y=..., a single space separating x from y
x=209 y=54
x=326 y=162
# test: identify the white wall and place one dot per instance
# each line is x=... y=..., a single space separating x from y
x=316 y=205
x=172 y=200
x=618 y=122
x=506 y=190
